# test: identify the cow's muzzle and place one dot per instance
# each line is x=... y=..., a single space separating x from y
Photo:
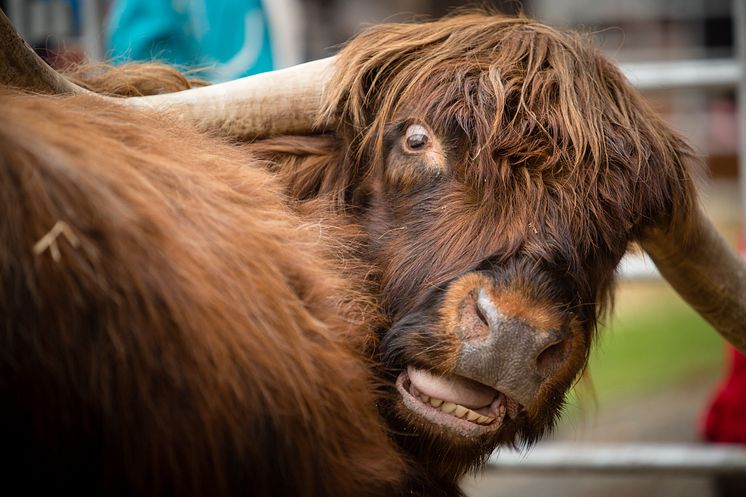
x=487 y=352
x=508 y=353
x=510 y=339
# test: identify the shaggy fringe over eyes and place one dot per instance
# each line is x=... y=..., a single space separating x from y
x=550 y=131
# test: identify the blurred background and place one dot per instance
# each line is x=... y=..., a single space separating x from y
x=657 y=365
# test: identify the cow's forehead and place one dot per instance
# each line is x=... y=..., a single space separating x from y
x=480 y=74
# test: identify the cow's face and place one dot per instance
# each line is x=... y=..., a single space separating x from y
x=499 y=194
x=492 y=297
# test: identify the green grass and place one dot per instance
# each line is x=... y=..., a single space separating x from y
x=649 y=347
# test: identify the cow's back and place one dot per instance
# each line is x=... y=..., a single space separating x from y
x=168 y=325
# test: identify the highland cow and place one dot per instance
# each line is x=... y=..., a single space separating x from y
x=401 y=271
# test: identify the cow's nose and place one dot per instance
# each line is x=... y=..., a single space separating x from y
x=506 y=352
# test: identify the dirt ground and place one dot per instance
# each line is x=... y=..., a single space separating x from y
x=671 y=415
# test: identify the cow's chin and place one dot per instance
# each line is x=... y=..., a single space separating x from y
x=453 y=406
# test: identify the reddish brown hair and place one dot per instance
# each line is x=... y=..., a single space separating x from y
x=554 y=166
x=192 y=338
x=556 y=148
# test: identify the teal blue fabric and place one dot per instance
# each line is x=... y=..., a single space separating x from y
x=229 y=38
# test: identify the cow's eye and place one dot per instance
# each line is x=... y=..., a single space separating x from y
x=417 y=138
x=415 y=156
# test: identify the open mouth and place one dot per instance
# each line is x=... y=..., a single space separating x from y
x=461 y=404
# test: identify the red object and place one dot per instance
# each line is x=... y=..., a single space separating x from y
x=725 y=419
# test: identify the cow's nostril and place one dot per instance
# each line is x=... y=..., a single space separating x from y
x=552 y=357
x=474 y=316
x=480 y=315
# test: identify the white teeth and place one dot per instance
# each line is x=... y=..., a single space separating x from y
x=460 y=411
x=455 y=409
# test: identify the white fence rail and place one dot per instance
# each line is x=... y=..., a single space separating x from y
x=668 y=459
x=697 y=74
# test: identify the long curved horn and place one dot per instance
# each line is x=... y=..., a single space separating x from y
x=705 y=271
x=279 y=102
x=287 y=101
x=22 y=68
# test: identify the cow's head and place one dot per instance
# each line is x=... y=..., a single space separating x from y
x=504 y=167
x=500 y=169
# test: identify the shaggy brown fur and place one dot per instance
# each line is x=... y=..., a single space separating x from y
x=548 y=134
x=555 y=164
x=195 y=341
x=131 y=80
x=196 y=296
